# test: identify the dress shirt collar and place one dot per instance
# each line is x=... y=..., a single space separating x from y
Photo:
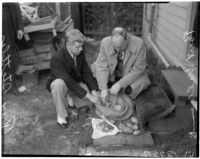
x=72 y=55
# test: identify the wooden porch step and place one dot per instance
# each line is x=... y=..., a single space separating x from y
x=121 y=139
x=176 y=83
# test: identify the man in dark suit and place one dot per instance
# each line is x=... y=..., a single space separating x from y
x=71 y=73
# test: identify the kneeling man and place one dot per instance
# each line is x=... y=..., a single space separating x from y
x=71 y=73
x=121 y=64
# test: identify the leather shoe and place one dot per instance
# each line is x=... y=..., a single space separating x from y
x=63 y=125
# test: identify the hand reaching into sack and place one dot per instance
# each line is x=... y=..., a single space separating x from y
x=104 y=95
x=115 y=88
x=93 y=97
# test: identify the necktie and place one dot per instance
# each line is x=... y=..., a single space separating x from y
x=120 y=56
x=75 y=61
x=119 y=67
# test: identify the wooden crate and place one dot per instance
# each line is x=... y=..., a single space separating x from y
x=36 y=59
x=30 y=79
x=42 y=65
x=27 y=53
x=41 y=48
x=44 y=23
x=39 y=56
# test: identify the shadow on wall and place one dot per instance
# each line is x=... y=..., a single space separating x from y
x=91 y=51
x=155 y=65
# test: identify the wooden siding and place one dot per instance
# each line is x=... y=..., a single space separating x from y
x=181 y=4
x=170 y=24
x=174 y=10
x=145 y=26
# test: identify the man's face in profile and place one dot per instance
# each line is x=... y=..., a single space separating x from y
x=76 y=48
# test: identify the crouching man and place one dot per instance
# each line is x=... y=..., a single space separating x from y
x=71 y=73
x=121 y=64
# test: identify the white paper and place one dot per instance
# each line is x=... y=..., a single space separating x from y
x=97 y=133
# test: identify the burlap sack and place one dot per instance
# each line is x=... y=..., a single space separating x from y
x=108 y=110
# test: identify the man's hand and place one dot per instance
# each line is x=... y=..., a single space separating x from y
x=92 y=98
x=20 y=34
x=95 y=93
x=115 y=88
x=104 y=95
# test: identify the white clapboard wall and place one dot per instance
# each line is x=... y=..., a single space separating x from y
x=170 y=22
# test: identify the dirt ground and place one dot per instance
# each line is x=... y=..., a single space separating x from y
x=31 y=128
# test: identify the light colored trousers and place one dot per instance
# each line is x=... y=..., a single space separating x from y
x=139 y=85
x=60 y=93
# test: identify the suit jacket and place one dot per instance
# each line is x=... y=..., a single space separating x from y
x=62 y=66
x=134 y=62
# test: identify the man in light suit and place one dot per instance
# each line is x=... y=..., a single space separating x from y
x=122 y=64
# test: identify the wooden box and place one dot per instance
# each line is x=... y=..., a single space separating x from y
x=30 y=79
x=27 y=52
x=44 y=23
